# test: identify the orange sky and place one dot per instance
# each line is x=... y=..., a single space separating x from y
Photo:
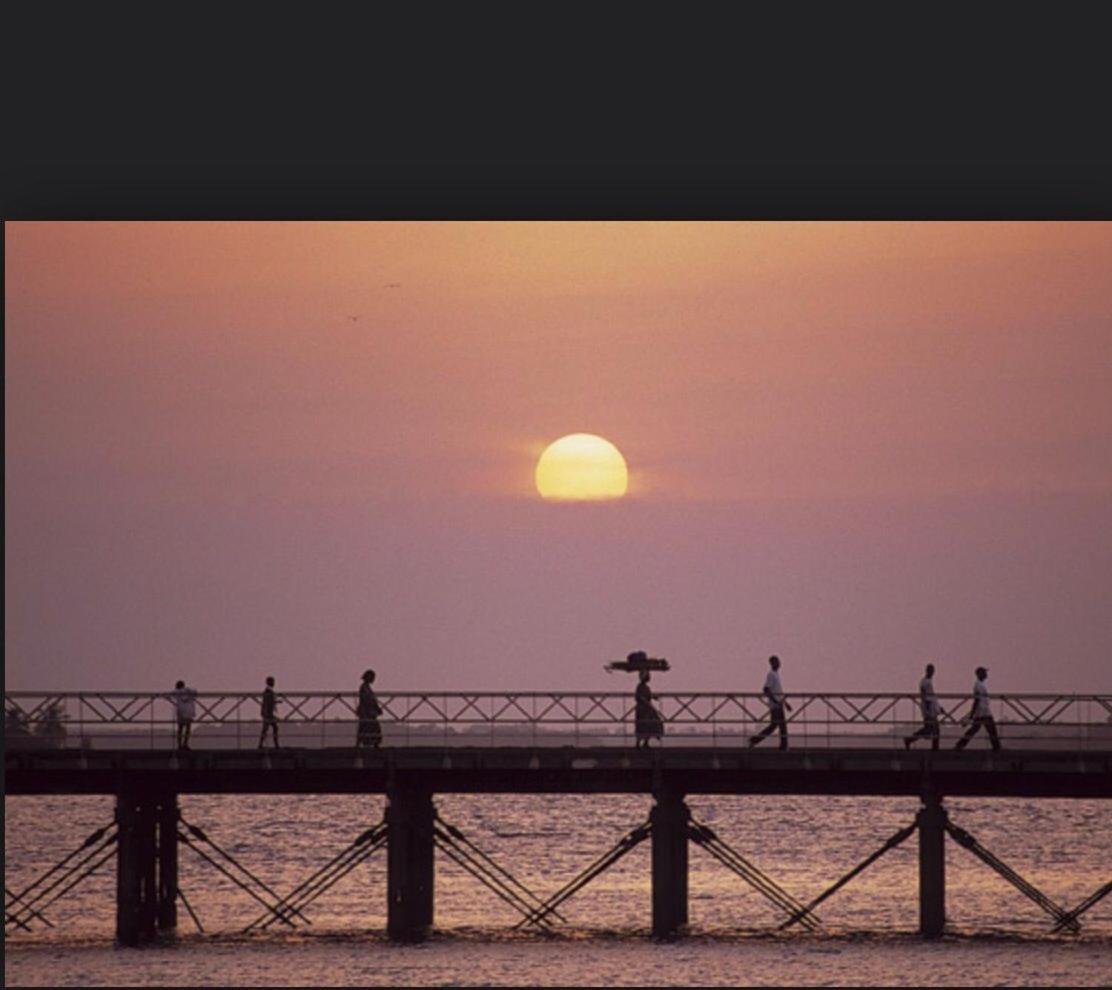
x=164 y=377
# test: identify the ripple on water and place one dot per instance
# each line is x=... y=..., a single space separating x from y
x=804 y=843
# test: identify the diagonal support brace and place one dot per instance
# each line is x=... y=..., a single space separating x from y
x=890 y=843
x=366 y=843
x=966 y=841
x=500 y=881
x=705 y=836
x=21 y=907
x=626 y=843
x=200 y=834
x=1073 y=914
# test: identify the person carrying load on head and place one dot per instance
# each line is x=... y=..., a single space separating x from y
x=637 y=661
x=648 y=722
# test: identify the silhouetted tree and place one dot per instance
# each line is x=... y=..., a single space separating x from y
x=15 y=723
x=50 y=729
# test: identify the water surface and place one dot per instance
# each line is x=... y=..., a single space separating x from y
x=996 y=935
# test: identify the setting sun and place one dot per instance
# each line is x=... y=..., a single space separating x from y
x=581 y=466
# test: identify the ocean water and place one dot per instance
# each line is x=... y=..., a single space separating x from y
x=996 y=935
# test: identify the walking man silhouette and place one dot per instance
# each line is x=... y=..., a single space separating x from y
x=928 y=701
x=980 y=714
x=269 y=713
x=777 y=702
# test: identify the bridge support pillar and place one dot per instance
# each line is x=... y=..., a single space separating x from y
x=409 y=863
x=669 y=818
x=135 y=868
x=166 y=818
x=146 y=865
x=932 y=867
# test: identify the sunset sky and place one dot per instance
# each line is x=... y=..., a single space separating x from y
x=302 y=449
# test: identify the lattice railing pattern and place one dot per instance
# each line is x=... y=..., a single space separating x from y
x=101 y=719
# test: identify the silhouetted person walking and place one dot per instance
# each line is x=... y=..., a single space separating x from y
x=777 y=702
x=185 y=701
x=269 y=712
x=928 y=701
x=370 y=732
x=980 y=714
x=647 y=720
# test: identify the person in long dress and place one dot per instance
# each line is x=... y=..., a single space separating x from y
x=648 y=722
x=370 y=732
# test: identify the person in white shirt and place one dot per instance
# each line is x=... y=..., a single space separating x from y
x=928 y=701
x=185 y=701
x=980 y=714
x=774 y=695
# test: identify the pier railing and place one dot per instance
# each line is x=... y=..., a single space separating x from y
x=231 y=720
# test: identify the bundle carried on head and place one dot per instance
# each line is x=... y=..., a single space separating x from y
x=637 y=661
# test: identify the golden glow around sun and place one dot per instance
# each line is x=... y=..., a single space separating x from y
x=581 y=466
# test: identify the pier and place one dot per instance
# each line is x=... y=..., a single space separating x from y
x=535 y=743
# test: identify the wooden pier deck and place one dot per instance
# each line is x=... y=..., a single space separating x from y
x=567 y=769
